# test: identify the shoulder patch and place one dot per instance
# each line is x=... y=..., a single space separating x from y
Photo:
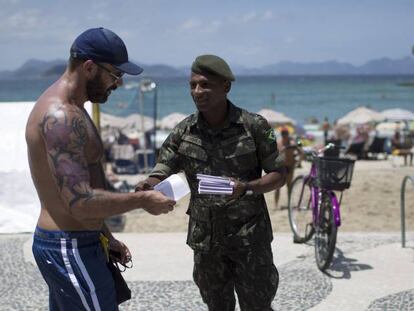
x=271 y=135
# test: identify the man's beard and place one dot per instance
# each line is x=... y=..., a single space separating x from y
x=96 y=91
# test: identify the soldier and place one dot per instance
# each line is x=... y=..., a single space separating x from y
x=231 y=236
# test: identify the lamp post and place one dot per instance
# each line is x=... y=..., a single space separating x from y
x=145 y=86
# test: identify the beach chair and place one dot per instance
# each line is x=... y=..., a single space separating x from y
x=377 y=147
x=356 y=149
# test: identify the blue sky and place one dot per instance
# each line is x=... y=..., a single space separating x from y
x=244 y=32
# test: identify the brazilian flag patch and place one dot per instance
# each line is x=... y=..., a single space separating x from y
x=271 y=135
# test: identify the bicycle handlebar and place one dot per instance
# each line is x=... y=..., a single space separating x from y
x=318 y=152
x=327 y=147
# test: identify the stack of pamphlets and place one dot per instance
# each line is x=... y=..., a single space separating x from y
x=209 y=184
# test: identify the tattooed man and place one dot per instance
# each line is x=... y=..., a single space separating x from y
x=65 y=152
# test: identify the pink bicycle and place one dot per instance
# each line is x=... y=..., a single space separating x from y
x=313 y=205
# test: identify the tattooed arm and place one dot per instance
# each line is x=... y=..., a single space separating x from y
x=65 y=134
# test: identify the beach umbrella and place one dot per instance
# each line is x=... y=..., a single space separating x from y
x=388 y=126
x=275 y=118
x=133 y=121
x=387 y=129
x=398 y=114
x=137 y=121
x=361 y=115
x=171 y=120
x=108 y=120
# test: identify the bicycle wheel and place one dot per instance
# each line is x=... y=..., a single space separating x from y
x=300 y=210
x=325 y=233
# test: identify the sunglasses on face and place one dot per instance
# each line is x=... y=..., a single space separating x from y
x=116 y=77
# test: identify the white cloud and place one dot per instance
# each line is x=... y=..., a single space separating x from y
x=289 y=39
x=98 y=6
x=34 y=28
x=8 y=2
x=190 y=24
x=99 y=17
x=251 y=16
x=267 y=15
x=214 y=26
x=199 y=26
x=245 y=50
x=23 y=24
x=29 y=19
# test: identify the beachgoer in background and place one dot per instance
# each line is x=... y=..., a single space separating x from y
x=358 y=143
x=400 y=147
x=396 y=141
x=361 y=135
x=65 y=153
x=291 y=154
x=231 y=236
x=342 y=132
x=325 y=128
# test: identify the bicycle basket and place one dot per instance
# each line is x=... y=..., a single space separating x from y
x=334 y=173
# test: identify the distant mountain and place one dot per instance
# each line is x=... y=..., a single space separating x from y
x=385 y=66
x=55 y=70
x=389 y=66
x=34 y=68
x=321 y=68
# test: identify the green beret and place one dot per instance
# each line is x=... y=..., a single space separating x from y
x=213 y=65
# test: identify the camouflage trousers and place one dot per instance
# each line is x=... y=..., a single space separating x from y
x=251 y=273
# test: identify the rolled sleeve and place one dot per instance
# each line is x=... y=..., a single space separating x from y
x=160 y=170
x=273 y=162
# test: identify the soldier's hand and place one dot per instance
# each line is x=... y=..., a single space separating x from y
x=239 y=189
x=157 y=203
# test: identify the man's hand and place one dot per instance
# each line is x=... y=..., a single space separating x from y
x=147 y=184
x=143 y=186
x=157 y=203
x=117 y=247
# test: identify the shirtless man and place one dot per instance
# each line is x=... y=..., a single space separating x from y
x=289 y=151
x=65 y=152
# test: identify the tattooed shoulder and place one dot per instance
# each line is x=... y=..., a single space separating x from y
x=65 y=135
x=64 y=127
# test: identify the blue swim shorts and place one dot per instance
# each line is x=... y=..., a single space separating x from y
x=74 y=267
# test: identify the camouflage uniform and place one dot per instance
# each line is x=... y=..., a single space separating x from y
x=231 y=239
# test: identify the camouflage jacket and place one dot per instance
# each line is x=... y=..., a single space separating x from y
x=242 y=148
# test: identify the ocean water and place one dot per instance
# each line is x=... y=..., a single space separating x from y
x=299 y=97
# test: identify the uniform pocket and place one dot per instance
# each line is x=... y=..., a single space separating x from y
x=240 y=155
x=192 y=151
x=246 y=222
x=245 y=233
x=199 y=229
x=194 y=157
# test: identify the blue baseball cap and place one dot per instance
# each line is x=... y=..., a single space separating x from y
x=104 y=46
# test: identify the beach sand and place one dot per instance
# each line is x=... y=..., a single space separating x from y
x=371 y=204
